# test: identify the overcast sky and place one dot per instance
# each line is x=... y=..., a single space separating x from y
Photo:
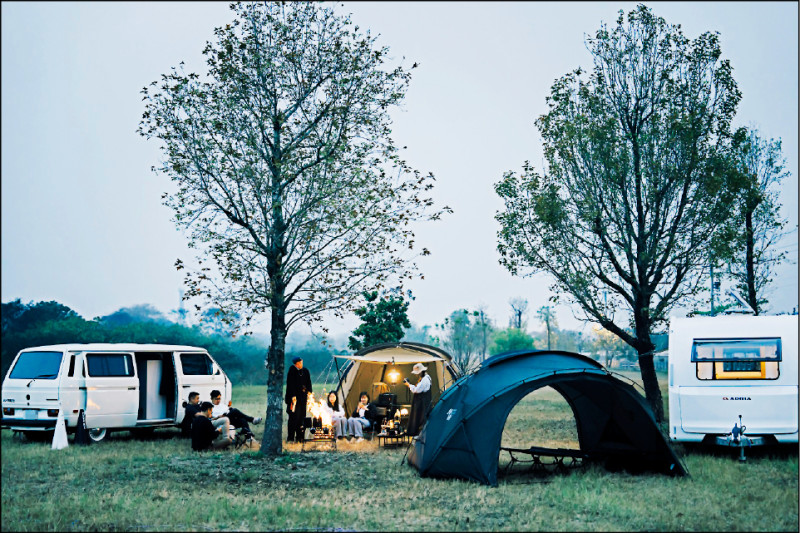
x=82 y=219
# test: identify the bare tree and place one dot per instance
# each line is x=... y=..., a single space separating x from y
x=519 y=306
x=483 y=324
x=287 y=178
x=548 y=317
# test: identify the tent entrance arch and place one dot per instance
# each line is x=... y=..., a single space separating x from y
x=382 y=367
x=462 y=436
x=542 y=419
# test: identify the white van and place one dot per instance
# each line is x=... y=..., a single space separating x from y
x=724 y=367
x=117 y=386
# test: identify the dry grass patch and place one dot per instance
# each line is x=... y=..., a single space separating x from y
x=159 y=484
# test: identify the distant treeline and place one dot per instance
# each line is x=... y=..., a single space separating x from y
x=25 y=325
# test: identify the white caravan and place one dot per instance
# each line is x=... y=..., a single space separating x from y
x=726 y=367
x=117 y=386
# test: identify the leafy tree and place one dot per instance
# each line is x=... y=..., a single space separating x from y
x=756 y=226
x=419 y=334
x=18 y=316
x=61 y=325
x=382 y=320
x=287 y=178
x=317 y=356
x=214 y=321
x=568 y=341
x=461 y=338
x=511 y=339
x=136 y=313
x=635 y=186
x=610 y=346
x=548 y=317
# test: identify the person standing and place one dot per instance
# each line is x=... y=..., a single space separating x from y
x=421 y=401
x=298 y=385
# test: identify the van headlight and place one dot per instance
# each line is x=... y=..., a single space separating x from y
x=9 y=411
x=52 y=412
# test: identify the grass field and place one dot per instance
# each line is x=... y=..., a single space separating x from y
x=158 y=484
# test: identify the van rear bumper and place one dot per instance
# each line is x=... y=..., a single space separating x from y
x=18 y=423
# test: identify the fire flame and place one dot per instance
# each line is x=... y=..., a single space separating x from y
x=316 y=410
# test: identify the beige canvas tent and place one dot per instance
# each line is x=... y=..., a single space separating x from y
x=382 y=367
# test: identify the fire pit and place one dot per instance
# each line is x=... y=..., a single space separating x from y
x=319 y=424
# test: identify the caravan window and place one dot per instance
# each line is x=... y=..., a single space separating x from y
x=718 y=359
x=196 y=364
x=109 y=365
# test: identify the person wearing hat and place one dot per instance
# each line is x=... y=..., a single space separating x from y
x=298 y=385
x=421 y=401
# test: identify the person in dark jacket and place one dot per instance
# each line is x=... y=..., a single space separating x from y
x=204 y=434
x=298 y=385
x=365 y=415
x=191 y=409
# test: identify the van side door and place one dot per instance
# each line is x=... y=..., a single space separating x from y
x=112 y=390
x=198 y=373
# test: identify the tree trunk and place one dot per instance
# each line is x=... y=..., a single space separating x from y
x=645 y=347
x=752 y=297
x=272 y=442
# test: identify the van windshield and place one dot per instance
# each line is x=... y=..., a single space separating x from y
x=37 y=365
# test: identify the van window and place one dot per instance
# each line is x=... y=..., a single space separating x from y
x=37 y=365
x=719 y=359
x=196 y=364
x=71 y=365
x=109 y=364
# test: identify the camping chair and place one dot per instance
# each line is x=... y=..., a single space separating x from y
x=386 y=406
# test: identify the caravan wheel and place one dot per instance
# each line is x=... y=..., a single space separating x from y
x=97 y=434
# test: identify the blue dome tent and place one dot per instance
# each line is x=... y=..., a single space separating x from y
x=615 y=424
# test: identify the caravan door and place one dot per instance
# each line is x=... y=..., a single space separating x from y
x=198 y=373
x=112 y=390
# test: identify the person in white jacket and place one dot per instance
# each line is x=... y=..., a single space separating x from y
x=421 y=401
x=337 y=414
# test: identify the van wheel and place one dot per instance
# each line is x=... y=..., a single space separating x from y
x=97 y=434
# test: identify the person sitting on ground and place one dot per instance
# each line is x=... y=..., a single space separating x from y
x=234 y=417
x=191 y=410
x=204 y=434
x=364 y=416
x=336 y=412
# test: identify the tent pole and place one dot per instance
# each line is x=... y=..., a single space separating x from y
x=338 y=373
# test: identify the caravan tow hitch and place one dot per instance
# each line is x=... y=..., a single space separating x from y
x=736 y=438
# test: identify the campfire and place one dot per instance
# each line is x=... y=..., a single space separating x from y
x=321 y=423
